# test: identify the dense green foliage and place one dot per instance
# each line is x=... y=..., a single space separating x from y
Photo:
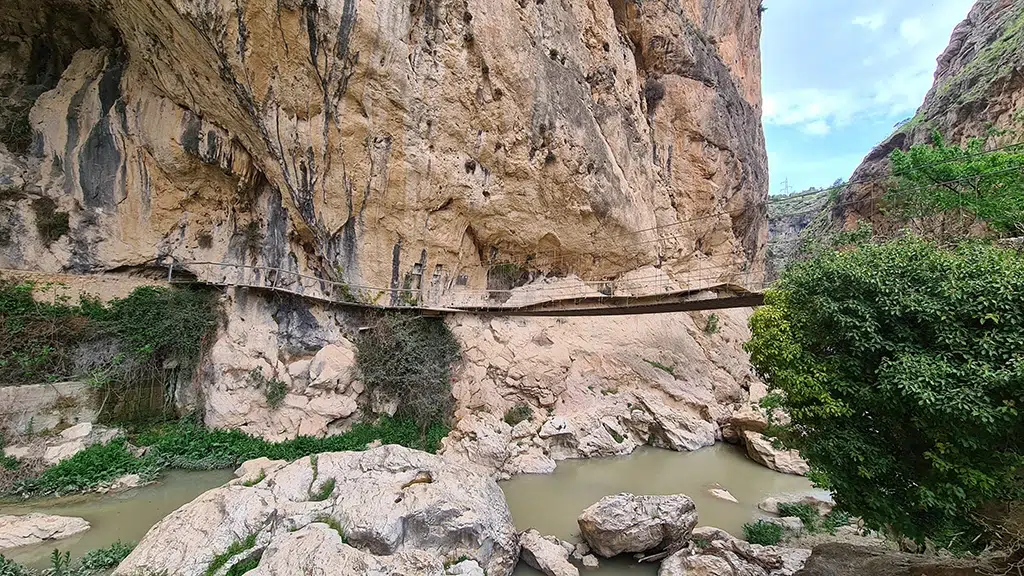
x=150 y=329
x=901 y=368
x=109 y=557
x=807 y=513
x=938 y=178
x=12 y=568
x=409 y=359
x=188 y=445
x=762 y=532
x=91 y=467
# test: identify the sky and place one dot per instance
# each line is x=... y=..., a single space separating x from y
x=838 y=75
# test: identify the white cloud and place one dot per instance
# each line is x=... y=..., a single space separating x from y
x=817 y=128
x=872 y=22
x=813 y=110
x=913 y=31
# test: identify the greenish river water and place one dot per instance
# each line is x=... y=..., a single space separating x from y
x=548 y=503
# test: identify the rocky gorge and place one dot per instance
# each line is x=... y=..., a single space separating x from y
x=128 y=148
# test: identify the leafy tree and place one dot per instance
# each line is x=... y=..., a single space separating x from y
x=901 y=366
x=938 y=178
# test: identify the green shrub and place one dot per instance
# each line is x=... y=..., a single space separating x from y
x=50 y=223
x=518 y=413
x=807 y=513
x=712 y=325
x=409 y=359
x=149 y=330
x=762 y=532
x=834 y=520
x=274 y=390
x=12 y=568
x=15 y=128
x=899 y=366
x=938 y=178
x=109 y=557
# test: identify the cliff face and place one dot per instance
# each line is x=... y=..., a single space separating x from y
x=979 y=85
x=366 y=140
x=384 y=143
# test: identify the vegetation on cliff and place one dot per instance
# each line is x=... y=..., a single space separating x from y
x=959 y=185
x=145 y=339
x=408 y=360
x=899 y=365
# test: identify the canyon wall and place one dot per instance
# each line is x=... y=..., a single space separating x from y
x=979 y=86
x=419 y=144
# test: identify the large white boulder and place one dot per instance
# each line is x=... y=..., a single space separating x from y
x=760 y=450
x=548 y=556
x=624 y=523
x=389 y=500
x=35 y=528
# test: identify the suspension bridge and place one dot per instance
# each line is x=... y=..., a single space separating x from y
x=563 y=297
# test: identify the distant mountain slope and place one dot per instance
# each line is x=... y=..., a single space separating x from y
x=789 y=217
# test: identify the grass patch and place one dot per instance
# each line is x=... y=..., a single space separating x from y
x=518 y=413
x=260 y=478
x=807 y=513
x=188 y=445
x=835 y=520
x=244 y=567
x=274 y=390
x=701 y=543
x=660 y=366
x=236 y=547
x=323 y=492
x=109 y=557
x=333 y=523
x=762 y=532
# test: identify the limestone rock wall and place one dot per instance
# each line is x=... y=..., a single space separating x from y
x=979 y=85
x=368 y=140
x=405 y=144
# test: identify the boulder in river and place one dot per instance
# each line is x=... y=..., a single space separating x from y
x=760 y=450
x=771 y=504
x=724 y=555
x=546 y=554
x=35 y=528
x=625 y=523
x=386 y=502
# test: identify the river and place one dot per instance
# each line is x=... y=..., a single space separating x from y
x=548 y=503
